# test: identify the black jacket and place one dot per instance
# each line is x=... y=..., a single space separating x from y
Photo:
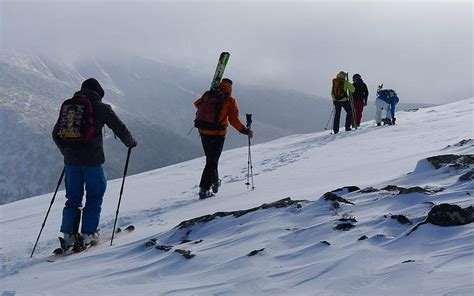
x=361 y=92
x=93 y=153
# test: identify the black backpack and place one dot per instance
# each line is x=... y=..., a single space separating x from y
x=75 y=124
x=209 y=111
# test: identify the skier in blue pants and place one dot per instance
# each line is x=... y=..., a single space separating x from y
x=83 y=168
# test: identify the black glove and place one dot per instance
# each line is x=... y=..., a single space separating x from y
x=245 y=131
x=133 y=145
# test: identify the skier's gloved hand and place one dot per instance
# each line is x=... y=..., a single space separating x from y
x=133 y=145
x=247 y=131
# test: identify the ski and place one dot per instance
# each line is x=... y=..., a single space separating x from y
x=79 y=248
x=221 y=64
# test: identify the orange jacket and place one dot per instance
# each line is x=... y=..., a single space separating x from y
x=229 y=112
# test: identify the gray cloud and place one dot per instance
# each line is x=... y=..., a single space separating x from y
x=423 y=49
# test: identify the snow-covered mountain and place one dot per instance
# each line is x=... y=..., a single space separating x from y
x=324 y=240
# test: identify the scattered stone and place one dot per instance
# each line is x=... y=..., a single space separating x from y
x=335 y=205
x=402 y=190
x=255 y=252
x=408 y=261
x=461 y=143
x=447 y=215
x=401 y=219
x=450 y=215
x=344 y=226
x=330 y=196
x=451 y=160
x=326 y=243
x=150 y=242
x=363 y=237
x=369 y=190
x=164 y=248
x=186 y=253
x=469 y=176
x=348 y=218
x=283 y=203
x=185 y=241
x=345 y=190
x=198 y=242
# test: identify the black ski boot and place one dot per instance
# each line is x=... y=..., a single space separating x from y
x=205 y=193
x=215 y=186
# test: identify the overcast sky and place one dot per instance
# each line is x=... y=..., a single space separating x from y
x=423 y=49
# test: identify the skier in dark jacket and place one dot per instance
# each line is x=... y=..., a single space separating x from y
x=359 y=96
x=83 y=167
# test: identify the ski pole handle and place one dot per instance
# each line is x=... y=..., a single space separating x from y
x=249 y=120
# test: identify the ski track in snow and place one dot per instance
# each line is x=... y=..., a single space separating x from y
x=438 y=261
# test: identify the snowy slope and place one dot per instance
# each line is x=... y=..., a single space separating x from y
x=294 y=259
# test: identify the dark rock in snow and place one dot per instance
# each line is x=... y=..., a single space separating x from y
x=369 y=190
x=330 y=196
x=185 y=241
x=363 y=237
x=186 y=253
x=408 y=261
x=450 y=215
x=469 y=176
x=150 y=242
x=461 y=143
x=255 y=252
x=401 y=218
x=326 y=243
x=447 y=215
x=344 y=226
x=345 y=190
x=164 y=248
x=402 y=190
x=283 y=203
x=451 y=160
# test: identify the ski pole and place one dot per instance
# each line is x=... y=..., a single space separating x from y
x=47 y=213
x=330 y=116
x=121 y=191
x=249 y=160
x=351 y=100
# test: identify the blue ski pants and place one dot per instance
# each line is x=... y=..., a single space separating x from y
x=95 y=182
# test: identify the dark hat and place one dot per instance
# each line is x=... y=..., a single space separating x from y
x=228 y=80
x=356 y=76
x=94 y=85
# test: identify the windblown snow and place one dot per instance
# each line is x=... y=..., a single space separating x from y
x=232 y=245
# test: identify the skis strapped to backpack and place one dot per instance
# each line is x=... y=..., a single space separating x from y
x=75 y=124
x=221 y=64
x=208 y=113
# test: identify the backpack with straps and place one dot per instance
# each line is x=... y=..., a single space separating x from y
x=209 y=111
x=338 y=88
x=75 y=124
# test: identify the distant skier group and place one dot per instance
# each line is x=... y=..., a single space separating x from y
x=353 y=97
x=78 y=135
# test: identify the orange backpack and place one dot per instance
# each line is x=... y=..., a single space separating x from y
x=338 y=88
